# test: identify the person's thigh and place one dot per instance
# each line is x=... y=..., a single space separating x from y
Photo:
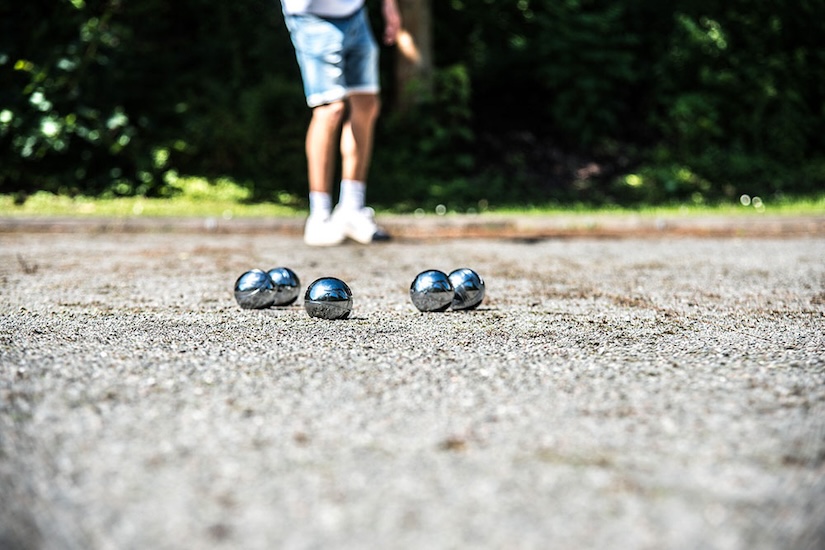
x=319 y=49
x=361 y=55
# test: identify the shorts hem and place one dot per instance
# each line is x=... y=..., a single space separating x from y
x=366 y=89
x=316 y=100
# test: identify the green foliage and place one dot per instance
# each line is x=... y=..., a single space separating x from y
x=105 y=96
x=425 y=155
x=59 y=131
x=730 y=94
x=590 y=70
x=662 y=184
x=591 y=101
x=567 y=70
x=739 y=95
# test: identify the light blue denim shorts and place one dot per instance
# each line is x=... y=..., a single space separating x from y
x=337 y=56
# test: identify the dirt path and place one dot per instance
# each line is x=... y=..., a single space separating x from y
x=609 y=393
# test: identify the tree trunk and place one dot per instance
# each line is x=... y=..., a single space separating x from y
x=414 y=57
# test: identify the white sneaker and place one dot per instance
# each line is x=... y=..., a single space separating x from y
x=359 y=225
x=320 y=231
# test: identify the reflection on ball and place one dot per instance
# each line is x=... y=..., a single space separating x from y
x=431 y=290
x=254 y=290
x=328 y=298
x=468 y=287
x=286 y=285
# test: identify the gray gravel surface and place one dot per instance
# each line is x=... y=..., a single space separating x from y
x=609 y=393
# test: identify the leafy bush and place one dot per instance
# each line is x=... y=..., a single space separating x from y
x=577 y=101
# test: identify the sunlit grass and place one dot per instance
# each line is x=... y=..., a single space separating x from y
x=196 y=197
x=44 y=204
x=743 y=207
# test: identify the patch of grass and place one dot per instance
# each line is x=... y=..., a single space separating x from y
x=743 y=207
x=46 y=204
x=191 y=197
x=196 y=197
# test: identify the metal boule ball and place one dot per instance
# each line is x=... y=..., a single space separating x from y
x=328 y=298
x=431 y=290
x=287 y=285
x=254 y=290
x=468 y=288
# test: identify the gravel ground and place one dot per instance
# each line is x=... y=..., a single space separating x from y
x=637 y=393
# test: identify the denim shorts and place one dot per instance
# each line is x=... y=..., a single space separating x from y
x=337 y=56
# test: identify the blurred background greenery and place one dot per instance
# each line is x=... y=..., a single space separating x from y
x=527 y=103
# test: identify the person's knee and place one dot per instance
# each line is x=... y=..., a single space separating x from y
x=367 y=106
x=329 y=114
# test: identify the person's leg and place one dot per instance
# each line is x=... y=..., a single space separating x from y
x=339 y=62
x=321 y=144
x=316 y=40
x=361 y=75
x=356 y=153
x=322 y=140
x=356 y=149
x=357 y=136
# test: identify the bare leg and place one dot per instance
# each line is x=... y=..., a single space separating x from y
x=321 y=148
x=321 y=141
x=357 y=136
x=356 y=153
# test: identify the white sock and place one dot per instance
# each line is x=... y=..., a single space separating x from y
x=352 y=195
x=320 y=204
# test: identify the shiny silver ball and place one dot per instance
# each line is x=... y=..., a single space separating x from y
x=287 y=285
x=328 y=298
x=468 y=288
x=431 y=290
x=254 y=290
